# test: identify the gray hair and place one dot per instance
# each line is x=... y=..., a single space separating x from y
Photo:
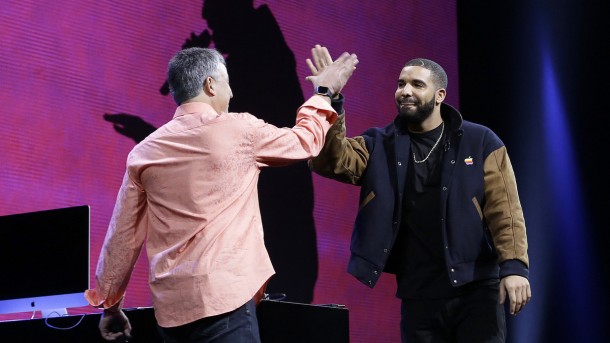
x=439 y=77
x=188 y=69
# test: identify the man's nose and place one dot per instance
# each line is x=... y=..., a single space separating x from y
x=407 y=90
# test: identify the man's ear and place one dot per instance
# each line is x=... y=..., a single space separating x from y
x=208 y=86
x=440 y=95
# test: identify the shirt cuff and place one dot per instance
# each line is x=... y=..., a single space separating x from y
x=513 y=267
x=337 y=103
x=94 y=298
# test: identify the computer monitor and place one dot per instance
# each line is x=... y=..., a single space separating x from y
x=44 y=260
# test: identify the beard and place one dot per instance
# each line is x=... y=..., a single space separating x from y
x=419 y=114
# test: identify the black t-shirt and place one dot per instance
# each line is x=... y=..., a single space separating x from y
x=418 y=247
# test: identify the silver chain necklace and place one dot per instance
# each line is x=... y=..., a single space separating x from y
x=434 y=146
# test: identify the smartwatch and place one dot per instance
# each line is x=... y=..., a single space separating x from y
x=321 y=90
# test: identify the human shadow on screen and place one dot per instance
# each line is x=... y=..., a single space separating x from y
x=130 y=125
x=264 y=81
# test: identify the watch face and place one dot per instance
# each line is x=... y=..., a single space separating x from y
x=323 y=91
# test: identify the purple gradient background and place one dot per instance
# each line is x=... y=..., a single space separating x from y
x=65 y=63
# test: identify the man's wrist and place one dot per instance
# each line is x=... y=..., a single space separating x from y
x=337 y=103
x=112 y=310
x=116 y=307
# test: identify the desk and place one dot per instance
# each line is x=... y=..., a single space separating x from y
x=53 y=329
x=286 y=322
x=279 y=322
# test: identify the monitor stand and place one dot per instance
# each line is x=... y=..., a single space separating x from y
x=54 y=312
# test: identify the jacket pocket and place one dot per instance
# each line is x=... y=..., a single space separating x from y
x=477 y=207
x=366 y=200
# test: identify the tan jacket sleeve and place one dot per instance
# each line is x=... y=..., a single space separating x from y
x=343 y=159
x=502 y=210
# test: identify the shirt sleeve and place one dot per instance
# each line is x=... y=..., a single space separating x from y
x=122 y=245
x=282 y=146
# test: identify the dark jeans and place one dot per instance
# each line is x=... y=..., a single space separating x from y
x=238 y=326
x=475 y=316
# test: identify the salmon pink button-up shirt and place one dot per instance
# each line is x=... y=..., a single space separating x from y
x=190 y=193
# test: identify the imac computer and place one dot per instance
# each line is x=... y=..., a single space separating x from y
x=44 y=260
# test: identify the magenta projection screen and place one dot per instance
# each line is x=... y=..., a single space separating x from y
x=65 y=63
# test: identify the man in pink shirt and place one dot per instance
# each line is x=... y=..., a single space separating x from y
x=190 y=193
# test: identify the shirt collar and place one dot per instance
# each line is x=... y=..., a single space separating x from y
x=196 y=108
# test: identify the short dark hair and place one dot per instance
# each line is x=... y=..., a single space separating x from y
x=439 y=77
x=188 y=69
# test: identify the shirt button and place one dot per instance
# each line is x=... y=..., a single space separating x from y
x=452 y=161
x=400 y=163
x=385 y=250
x=444 y=188
x=454 y=281
x=375 y=272
x=452 y=270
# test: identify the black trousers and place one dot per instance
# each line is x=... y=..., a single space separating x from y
x=240 y=325
x=473 y=316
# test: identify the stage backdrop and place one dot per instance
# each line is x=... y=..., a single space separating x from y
x=72 y=69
